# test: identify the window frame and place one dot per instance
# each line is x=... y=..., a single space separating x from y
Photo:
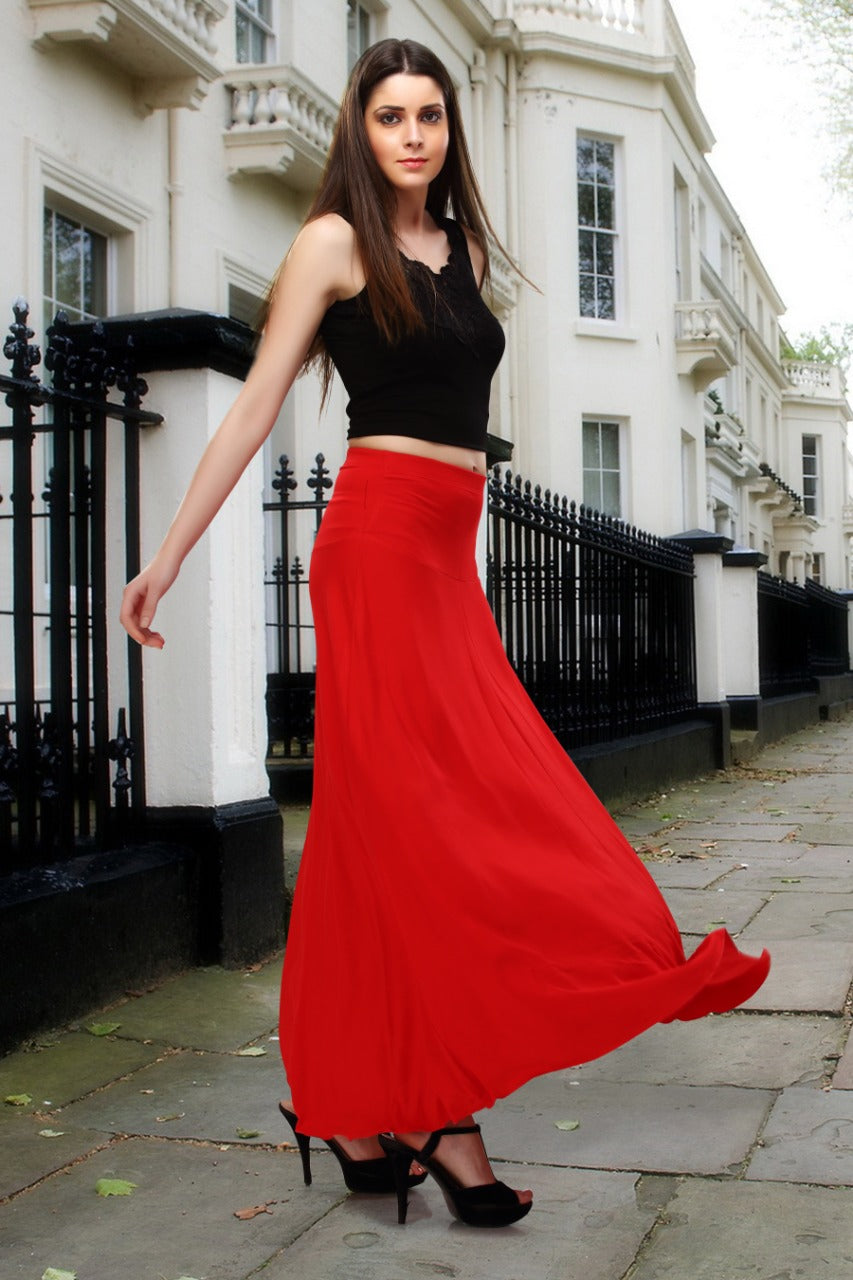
x=811 y=498
x=599 y=421
x=256 y=23
x=615 y=232
x=51 y=303
x=359 y=9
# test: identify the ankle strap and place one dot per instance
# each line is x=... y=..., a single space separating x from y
x=434 y=1138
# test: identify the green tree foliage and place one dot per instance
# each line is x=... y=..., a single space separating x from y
x=833 y=344
x=820 y=32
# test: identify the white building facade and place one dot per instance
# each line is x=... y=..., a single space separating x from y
x=166 y=150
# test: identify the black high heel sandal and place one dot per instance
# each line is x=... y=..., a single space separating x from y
x=375 y=1176
x=493 y=1204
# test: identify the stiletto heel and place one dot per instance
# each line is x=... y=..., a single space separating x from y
x=303 y=1142
x=401 y=1164
x=493 y=1204
x=374 y=1176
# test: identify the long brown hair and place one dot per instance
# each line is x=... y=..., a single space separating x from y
x=354 y=186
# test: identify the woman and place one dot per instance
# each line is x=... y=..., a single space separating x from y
x=466 y=914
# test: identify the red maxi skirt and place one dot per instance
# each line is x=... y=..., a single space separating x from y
x=466 y=914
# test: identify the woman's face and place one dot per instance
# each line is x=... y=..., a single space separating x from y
x=406 y=122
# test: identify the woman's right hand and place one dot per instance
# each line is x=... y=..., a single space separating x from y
x=141 y=597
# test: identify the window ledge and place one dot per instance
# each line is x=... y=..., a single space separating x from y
x=585 y=328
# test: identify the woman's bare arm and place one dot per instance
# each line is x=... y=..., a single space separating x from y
x=319 y=268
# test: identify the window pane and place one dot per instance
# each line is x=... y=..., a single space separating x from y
x=95 y=274
x=586 y=248
x=610 y=445
x=604 y=170
x=586 y=159
x=592 y=489
x=605 y=207
x=48 y=252
x=587 y=295
x=610 y=503
x=604 y=255
x=586 y=205
x=591 y=458
x=68 y=261
x=606 y=309
x=242 y=38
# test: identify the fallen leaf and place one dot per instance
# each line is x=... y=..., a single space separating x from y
x=174 y=1115
x=248 y=1133
x=568 y=1126
x=114 y=1187
x=18 y=1099
x=51 y=1133
x=245 y=1215
x=791 y=880
x=103 y=1028
x=708 y=844
x=255 y=1051
x=146 y=1090
x=54 y=1273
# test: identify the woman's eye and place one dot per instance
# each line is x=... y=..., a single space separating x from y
x=431 y=117
x=388 y=118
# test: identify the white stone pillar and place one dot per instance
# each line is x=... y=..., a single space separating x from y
x=739 y=601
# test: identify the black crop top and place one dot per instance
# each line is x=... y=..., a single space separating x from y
x=433 y=385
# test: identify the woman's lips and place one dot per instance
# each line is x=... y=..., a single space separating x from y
x=412 y=164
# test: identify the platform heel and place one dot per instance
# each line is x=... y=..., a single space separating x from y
x=374 y=1176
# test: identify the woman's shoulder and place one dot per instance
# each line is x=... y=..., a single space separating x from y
x=329 y=243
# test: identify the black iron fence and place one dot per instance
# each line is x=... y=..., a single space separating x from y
x=290 y=649
x=802 y=634
x=596 y=617
x=67 y=715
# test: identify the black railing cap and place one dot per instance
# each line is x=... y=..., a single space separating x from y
x=703 y=541
x=744 y=558
x=178 y=338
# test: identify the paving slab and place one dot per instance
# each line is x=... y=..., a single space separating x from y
x=742 y=829
x=688 y=873
x=699 y=911
x=193 y=1095
x=829 y=832
x=750 y=852
x=213 y=1008
x=843 y=1078
x=71 y=1065
x=179 y=1220
x=741 y=1231
x=804 y=915
x=26 y=1156
x=805 y=975
x=586 y=1224
x=751 y=1052
x=659 y=1128
x=808 y=1138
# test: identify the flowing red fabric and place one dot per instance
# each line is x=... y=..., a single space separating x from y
x=466 y=914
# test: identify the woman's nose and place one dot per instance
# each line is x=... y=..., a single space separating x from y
x=414 y=137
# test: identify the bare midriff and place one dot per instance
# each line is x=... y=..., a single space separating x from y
x=456 y=455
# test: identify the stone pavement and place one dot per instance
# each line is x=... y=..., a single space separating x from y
x=717 y=1150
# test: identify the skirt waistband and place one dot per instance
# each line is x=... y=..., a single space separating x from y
x=395 y=464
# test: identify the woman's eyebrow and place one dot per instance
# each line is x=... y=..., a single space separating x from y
x=429 y=106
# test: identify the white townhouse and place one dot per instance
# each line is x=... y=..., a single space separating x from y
x=161 y=153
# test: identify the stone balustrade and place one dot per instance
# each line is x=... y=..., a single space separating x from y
x=279 y=123
x=706 y=340
x=618 y=15
x=814 y=379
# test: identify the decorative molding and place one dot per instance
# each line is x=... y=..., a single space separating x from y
x=280 y=124
x=166 y=46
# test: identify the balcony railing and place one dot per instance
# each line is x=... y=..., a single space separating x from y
x=815 y=380
x=706 y=341
x=616 y=15
x=279 y=124
x=727 y=438
x=167 y=46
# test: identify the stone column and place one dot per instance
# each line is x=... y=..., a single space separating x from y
x=205 y=721
x=708 y=549
x=739 y=601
